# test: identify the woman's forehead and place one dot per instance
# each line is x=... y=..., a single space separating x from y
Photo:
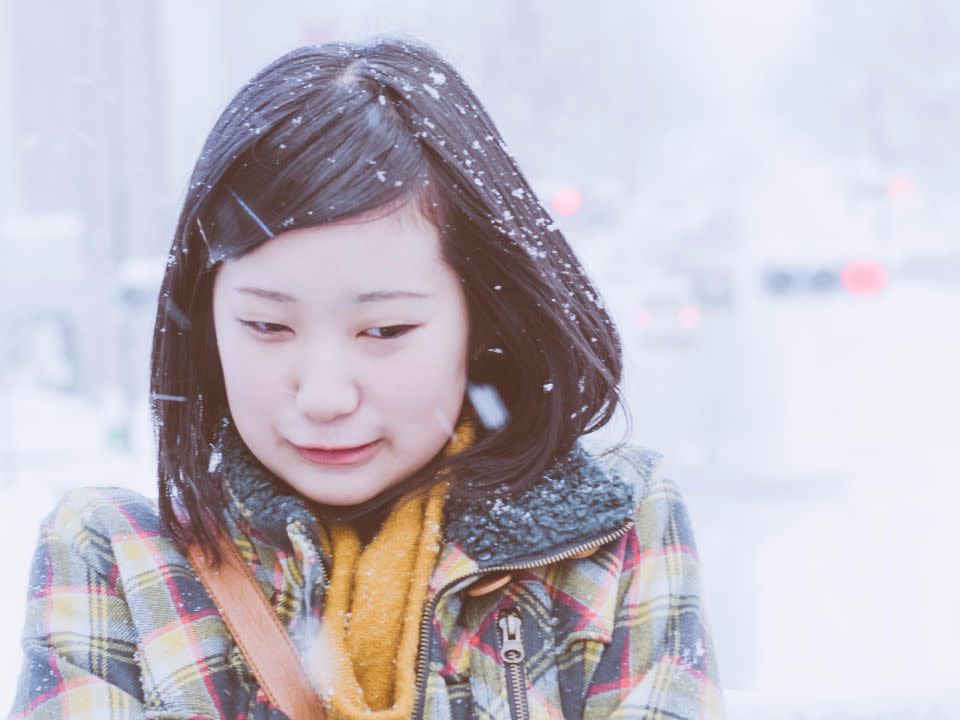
x=398 y=254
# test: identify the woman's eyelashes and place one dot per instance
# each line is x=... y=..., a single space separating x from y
x=264 y=328
x=378 y=332
x=389 y=332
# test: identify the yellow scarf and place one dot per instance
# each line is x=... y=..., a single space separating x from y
x=365 y=660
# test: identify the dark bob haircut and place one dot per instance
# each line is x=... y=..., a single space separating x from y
x=337 y=131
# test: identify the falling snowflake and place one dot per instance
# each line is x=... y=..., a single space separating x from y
x=489 y=405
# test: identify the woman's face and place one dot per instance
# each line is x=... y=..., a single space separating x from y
x=344 y=353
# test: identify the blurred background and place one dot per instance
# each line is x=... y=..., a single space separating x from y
x=766 y=193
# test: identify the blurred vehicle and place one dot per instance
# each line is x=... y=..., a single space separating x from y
x=857 y=277
x=665 y=311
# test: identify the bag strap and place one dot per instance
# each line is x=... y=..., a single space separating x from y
x=254 y=625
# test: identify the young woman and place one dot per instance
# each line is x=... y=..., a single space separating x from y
x=375 y=355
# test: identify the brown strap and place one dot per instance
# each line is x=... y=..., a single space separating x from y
x=256 y=629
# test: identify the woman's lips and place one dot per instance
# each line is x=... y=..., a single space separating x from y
x=343 y=456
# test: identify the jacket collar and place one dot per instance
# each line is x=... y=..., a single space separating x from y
x=578 y=501
x=255 y=496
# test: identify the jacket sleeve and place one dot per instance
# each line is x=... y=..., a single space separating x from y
x=79 y=643
x=660 y=662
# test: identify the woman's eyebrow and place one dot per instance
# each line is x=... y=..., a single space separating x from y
x=267 y=294
x=380 y=295
x=367 y=297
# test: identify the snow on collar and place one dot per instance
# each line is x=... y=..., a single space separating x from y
x=579 y=500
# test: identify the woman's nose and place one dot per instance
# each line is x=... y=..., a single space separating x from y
x=326 y=391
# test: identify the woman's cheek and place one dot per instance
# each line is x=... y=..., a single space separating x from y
x=423 y=382
x=252 y=375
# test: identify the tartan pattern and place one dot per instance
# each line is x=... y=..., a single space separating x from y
x=118 y=626
x=620 y=634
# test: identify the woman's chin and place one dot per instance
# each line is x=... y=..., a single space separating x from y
x=342 y=491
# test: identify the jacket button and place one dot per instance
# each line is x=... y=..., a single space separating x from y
x=489 y=585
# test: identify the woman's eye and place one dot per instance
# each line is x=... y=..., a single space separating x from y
x=264 y=328
x=388 y=332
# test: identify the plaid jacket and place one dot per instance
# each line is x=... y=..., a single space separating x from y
x=119 y=626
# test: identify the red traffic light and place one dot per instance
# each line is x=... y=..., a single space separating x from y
x=863 y=278
x=566 y=201
x=642 y=319
x=689 y=317
x=900 y=187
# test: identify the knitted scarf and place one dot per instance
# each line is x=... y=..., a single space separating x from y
x=364 y=662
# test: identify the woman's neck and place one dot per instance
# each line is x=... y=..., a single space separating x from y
x=368 y=524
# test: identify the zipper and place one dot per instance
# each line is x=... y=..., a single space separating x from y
x=511 y=652
x=427 y=619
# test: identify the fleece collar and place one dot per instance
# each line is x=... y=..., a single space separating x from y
x=267 y=505
x=579 y=500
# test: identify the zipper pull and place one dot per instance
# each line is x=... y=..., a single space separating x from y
x=511 y=649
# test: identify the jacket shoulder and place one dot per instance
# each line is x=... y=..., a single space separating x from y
x=95 y=522
x=637 y=466
x=106 y=509
x=661 y=516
